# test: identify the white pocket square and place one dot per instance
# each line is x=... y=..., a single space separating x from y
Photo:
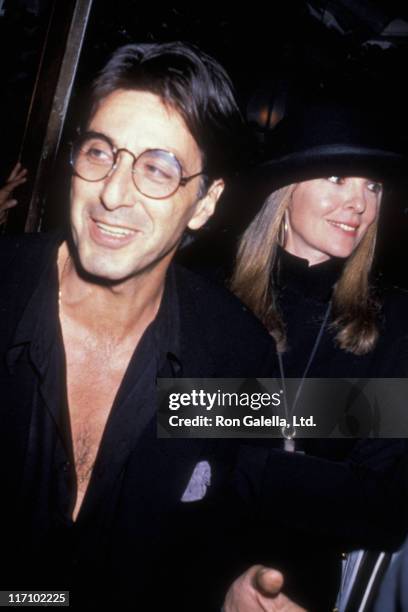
x=199 y=482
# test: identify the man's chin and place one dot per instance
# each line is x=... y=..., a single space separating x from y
x=96 y=269
x=116 y=267
x=105 y=276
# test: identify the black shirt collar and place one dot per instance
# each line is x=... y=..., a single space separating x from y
x=316 y=282
x=167 y=327
x=40 y=320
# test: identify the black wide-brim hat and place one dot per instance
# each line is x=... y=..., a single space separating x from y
x=331 y=140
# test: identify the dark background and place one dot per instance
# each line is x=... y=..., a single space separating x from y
x=277 y=56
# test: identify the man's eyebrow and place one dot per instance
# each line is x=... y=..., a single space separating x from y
x=94 y=134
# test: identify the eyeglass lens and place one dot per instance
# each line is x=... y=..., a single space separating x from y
x=156 y=173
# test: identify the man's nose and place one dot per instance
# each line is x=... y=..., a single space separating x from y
x=118 y=187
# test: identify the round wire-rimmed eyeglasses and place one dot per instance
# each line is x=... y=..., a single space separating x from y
x=156 y=173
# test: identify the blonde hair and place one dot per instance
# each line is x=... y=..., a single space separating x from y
x=353 y=306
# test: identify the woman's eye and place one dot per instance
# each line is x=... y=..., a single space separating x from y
x=337 y=180
x=375 y=187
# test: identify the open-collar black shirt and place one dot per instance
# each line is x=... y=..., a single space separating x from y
x=48 y=491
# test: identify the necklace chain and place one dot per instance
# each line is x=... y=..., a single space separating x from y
x=60 y=282
x=289 y=432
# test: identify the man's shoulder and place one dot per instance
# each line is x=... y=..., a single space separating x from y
x=213 y=302
x=30 y=248
x=23 y=259
x=224 y=325
x=26 y=241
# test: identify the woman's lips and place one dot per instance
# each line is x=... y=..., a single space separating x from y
x=346 y=227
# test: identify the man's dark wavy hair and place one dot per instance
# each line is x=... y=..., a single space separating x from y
x=191 y=82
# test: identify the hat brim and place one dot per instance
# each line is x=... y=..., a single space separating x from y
x=333 y=160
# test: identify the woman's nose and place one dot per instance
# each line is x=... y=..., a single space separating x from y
x=355 y=195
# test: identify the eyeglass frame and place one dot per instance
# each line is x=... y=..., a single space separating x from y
x=183 y=180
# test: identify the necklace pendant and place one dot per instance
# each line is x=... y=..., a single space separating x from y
x=288 y=432
x=289 y=446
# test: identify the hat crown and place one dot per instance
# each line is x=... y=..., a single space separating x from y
x=327 y=126
x=323 y=140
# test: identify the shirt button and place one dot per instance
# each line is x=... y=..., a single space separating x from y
x=344 y=556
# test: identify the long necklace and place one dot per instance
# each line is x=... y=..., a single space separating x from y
x=289 y=431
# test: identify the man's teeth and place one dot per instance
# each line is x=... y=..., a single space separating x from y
x=114 y=230
x=344 y=226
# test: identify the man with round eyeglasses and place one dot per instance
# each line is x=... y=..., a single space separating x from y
x=94 y=503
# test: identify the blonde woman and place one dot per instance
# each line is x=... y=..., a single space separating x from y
x=304 y=267
x=320 y=218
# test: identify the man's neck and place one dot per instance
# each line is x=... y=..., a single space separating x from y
x=117 y=309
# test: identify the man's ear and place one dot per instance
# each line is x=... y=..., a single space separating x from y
x=205 y=207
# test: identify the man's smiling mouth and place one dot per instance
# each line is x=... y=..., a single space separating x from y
x=114 y=230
